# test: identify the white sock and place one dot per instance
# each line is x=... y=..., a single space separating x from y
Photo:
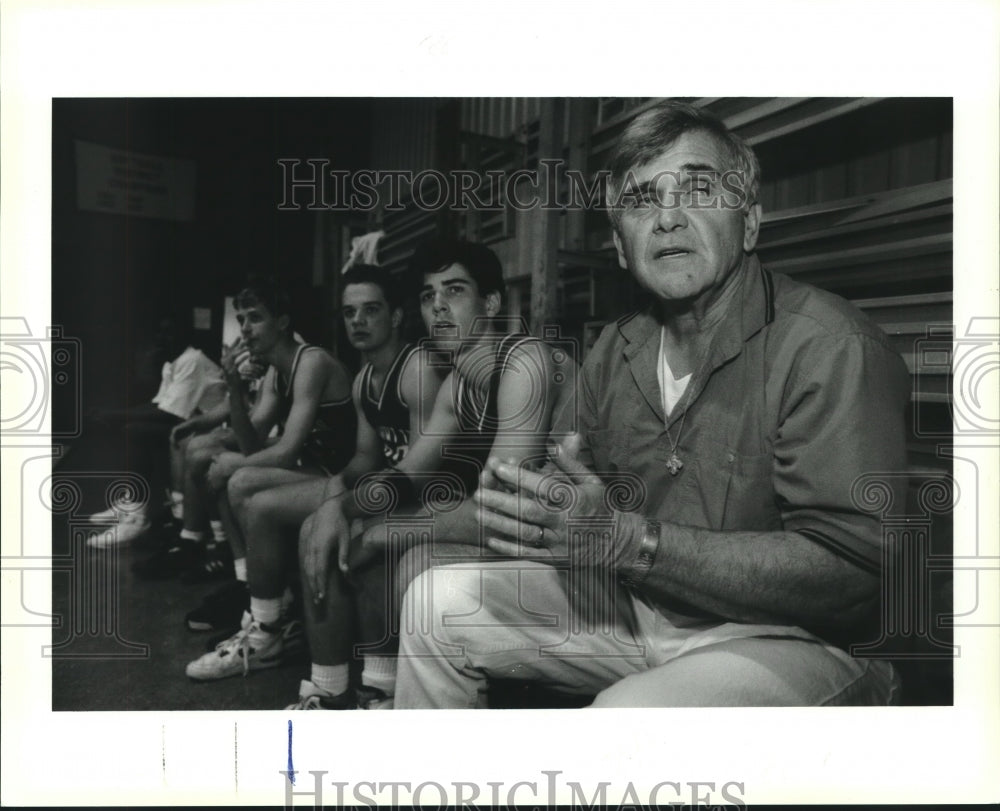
x=380 y=672
x=193 y=535
x=332 y=678
x=240 y=565
x=177 y=505
x=265 y=610
x=287 y=598
x=218 y=531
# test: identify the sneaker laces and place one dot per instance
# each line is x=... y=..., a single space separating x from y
x=238 y=645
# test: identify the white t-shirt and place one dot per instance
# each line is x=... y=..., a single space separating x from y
x=190 y=382
x=671 y=388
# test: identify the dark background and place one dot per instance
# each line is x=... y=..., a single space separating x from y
x=115 y=276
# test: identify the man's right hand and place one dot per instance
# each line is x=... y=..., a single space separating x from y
x=239 y=365
x=230 y=360
x=186 y=428
x=330 y=530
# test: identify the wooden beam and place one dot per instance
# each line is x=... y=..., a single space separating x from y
x=923 y=194
x=580 y=120
x=854 y=225
x=602 y=260
x=760 y=111
x=509 y=146
x=915 y=300
x=936 y=244
x=544 y=249
x=835 y=109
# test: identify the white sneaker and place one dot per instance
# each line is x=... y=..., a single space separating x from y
x=118 y=510
x=129 y=527
x=312 y=697
x=251 y=648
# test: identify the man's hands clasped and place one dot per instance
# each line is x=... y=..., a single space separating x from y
x=528 y=514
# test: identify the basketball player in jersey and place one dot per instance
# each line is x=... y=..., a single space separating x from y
x=305 y=393
x=497 y=399
x=390 y=396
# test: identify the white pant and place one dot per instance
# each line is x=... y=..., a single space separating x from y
x=464 y=623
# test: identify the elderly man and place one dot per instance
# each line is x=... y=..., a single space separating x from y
x=728 y=424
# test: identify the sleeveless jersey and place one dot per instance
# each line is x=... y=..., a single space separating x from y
x=331 y=440
x=476 y=412
x=388 y=414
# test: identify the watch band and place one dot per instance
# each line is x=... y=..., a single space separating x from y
x=648 y=547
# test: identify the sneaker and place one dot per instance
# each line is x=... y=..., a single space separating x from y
x=117 y=511
x=372 y=698
x=254 y=647
x=129 y=527
x=214 y=565
x=213 y=641
x=170 y=561
x=312 y=697
x=221 y=610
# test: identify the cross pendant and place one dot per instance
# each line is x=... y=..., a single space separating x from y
x=674 y=464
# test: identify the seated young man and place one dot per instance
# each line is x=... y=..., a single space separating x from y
x=190 y=385
x=498 y=396
x=305 y=393
x=212 y=563
x=393 y=395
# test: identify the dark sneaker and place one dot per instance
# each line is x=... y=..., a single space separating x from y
x=312 y=697
x=214 y=565
x=372 y=698
x=221 y=610
x=169 y=561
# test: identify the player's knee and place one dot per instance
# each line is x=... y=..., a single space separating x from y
x=262 y=507
x=241 y=485
x=199 y=452
x=255 y=506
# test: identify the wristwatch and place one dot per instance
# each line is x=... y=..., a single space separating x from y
x=648 y=547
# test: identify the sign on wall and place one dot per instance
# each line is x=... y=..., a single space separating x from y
x=117 y=181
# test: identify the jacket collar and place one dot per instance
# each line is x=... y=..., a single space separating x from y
x=752 y=308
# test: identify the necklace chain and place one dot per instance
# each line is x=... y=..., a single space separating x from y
x=674 y=462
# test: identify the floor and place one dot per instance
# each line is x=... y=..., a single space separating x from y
x=122 y=644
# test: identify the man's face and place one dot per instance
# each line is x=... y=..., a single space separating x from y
x=367 y=317
x=260 y=330
x=687 y=246
x=450 y=303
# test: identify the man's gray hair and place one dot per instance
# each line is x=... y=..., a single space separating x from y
x=652 y=132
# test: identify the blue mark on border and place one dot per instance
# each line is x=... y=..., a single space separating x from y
x=291 y=768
